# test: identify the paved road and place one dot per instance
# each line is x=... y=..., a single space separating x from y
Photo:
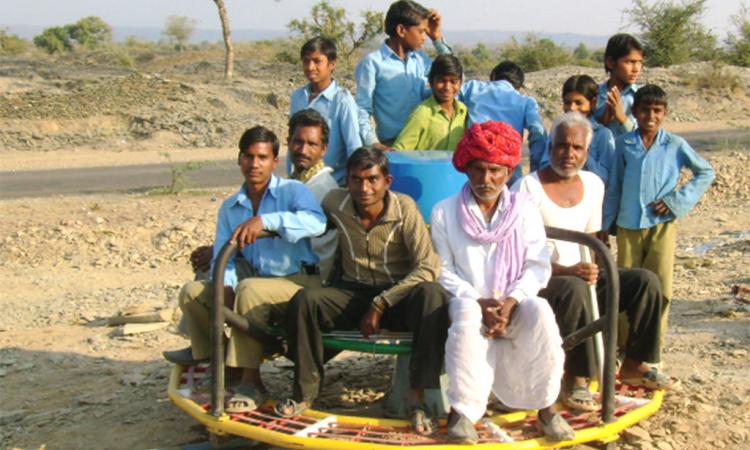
x=142 y=178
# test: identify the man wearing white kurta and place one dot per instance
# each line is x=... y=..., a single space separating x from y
x=502 y=338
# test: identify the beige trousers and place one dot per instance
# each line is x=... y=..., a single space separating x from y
x=653 y=249
x=259 y=299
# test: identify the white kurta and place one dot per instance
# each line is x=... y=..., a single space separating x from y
x=325 y=245
x=524 y=368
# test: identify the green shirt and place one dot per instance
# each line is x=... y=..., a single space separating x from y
x=429 y=128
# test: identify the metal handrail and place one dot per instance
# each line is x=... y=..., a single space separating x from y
x=606 y=323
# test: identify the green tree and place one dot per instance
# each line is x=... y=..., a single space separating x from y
x=11 y=44
x=90 y=31
x=582 y=53
x=536 y=53
x=738 y=45
x=331 y=22
x=672 y=33
x=54 y=40
x=178 y=30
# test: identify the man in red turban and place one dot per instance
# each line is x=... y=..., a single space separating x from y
x=493 y=142
x=494 y=260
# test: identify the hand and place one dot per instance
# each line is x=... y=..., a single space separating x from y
x=660 y=208
x=587 y=271
x=200 y=258
x=614 y=103
x=370 y=323
x=434 y=22
x=507 y=306
x=381 y=147
x=248 y=232
x=603 y=236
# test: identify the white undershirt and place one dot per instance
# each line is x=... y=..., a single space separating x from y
x=586 y=216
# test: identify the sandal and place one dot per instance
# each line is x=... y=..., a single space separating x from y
x=289 y=408
x=460 y=429
x=652 y=379
x=421 y=423
x=580 y=398
x=246 y=398
x=556 y=429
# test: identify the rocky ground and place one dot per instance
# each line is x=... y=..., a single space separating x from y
x=67 y=380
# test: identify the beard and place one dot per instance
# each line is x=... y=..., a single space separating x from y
x=564 y=173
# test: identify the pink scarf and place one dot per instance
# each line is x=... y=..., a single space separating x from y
x=510 y=252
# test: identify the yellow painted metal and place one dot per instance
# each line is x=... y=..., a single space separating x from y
x=602 y=433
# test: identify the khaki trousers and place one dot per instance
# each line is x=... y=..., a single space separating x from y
x=653 y=249
x=261 y=300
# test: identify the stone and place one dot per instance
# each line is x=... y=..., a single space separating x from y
x=9 y=417
x=636 y=434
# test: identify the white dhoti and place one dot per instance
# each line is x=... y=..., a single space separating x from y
x=523 y=369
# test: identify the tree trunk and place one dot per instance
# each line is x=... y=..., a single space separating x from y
x=229 y=60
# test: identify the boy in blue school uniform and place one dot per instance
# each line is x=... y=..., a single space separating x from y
x=332 y=101
x=499 y=99
x=392 y=80
x=623 y=61
x=643 y=198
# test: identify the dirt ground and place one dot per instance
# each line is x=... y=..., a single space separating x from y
x=67 y=380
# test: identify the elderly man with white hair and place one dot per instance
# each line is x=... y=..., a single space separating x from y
x=571 y=198
x=503 y=337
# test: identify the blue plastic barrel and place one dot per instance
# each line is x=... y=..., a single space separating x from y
x=428 y=176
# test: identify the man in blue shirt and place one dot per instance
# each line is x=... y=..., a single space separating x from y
x=332 y=101
x=500 y=100
x=269 y=272
x=392 y=80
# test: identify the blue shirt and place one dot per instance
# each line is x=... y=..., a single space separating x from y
x=337 y=106
x=288 y=208
x=627 y=95
x=641 y=176
x=601 y=152
x=499 y=100
x=389 y=88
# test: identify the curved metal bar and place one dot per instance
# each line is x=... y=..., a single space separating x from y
x=607 y=322
x=217 y=329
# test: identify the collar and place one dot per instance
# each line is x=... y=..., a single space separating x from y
x=329 y=93
x=387 y=52
x=243 y=199
x=458 y=107
x=392 y=212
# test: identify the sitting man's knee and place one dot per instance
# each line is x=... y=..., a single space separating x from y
x=191 y=291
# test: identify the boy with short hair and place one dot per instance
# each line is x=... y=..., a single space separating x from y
x=500 y=99
x=335 y=103
x=623 y=61
x=646 y=171
x=392 y=80
x=438 y=122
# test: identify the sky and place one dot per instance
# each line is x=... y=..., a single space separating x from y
x=589 y=17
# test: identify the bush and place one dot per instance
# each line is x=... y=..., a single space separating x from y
x=91 y=31
x=178 y=30
x=536 y=53
x=54 y=40
x=672 y=33
x=738 y=45
x=10 y=44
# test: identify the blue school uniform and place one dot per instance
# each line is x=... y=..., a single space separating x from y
x=389 y=88
x=500 y=101
x=601 y=153
x=337 y=106
x=288 y=208
x=627 y=95
x=640 y=176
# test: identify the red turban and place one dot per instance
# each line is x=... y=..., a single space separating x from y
x=493 y=142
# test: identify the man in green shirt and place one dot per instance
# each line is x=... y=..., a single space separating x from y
x=438 y=122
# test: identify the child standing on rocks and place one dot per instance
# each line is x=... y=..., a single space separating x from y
x=623 y=61
x=332 y=101
x=645 y=197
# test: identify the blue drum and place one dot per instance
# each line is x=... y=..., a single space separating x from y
x=427 y=176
